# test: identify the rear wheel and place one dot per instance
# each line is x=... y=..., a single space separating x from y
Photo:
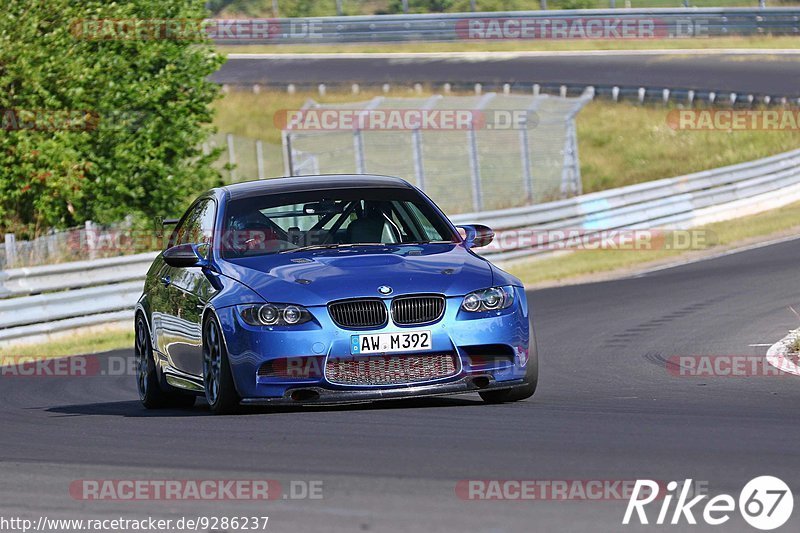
x=520 y=392
x=217 y=376
x=151 y=394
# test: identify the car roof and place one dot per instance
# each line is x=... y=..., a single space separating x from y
x=248 y=189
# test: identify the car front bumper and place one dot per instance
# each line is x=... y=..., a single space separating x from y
x=324 y=396
x=457 y=332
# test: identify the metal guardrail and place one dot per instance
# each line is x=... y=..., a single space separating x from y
x=666 y=23
x=78 y=274
x=105 y=290
x=668 y=203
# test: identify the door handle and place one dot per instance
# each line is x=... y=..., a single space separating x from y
x=166 y=280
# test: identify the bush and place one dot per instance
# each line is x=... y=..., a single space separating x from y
x=140 y=111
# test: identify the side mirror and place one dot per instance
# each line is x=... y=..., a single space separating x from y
x=477 y=235
x=184 y=256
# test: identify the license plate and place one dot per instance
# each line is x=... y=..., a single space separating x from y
x=408 y=341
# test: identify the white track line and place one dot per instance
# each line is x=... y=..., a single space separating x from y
x=493 y=56
x=731 y=251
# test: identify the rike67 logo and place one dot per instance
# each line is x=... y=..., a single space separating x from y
x=765 y=503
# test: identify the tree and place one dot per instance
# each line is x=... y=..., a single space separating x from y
x=100 y=122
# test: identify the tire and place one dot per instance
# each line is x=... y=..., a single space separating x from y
x=148 y=383
x=520 y=392
x=220 y=390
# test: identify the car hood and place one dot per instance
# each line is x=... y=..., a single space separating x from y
x=316 y=277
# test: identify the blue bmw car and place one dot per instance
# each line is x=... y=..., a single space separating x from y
x=328 y=290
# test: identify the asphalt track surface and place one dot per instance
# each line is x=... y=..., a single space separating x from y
x=607 y=409
x=774 y=75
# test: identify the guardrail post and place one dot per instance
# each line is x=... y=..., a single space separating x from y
x=11 y=250
x=260 y=159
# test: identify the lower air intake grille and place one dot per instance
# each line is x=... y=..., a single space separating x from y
x=409 y=310
x=358 y=313
x=389 y=369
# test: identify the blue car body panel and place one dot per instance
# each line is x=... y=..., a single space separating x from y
x=315 y=278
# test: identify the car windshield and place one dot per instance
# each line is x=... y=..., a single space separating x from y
x=286 y=223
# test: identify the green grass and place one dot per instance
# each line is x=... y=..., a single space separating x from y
x=78 y=344
x=758 y=42
x=724 y=235
x=621 y=144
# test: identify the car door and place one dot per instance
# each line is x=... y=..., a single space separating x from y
x=187 y=291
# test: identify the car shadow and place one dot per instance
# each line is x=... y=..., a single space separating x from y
x=134 y=409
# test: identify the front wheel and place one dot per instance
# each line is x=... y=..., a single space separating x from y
x=217 y=376
x=520 y=392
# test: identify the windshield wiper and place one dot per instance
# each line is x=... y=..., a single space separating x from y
x=331 y=246
x=424 y=242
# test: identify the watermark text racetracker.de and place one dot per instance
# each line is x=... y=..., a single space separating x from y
x=728 y=366
x=178 y=490
x=725 y=120
x=631 y=239
x=316 y=119
x=195 y=523
x=566 y=27
x=178 y=29
x=559 y=489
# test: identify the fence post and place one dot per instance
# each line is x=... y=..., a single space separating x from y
x=231 y=156
x=472 y=146
x=475 y=169
x=416 y=149
x=358 y=151
x=91 y=239
x=288 y=156
x=52 y=245
x=358 y=136
x=260 y=159
x=416 y=144
x=527 y=177
x=11 y=250
x=570 y=173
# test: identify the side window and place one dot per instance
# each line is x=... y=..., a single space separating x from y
x=198 y=225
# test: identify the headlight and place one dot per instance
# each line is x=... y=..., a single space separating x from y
x=274 y=314
x=492 y=299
